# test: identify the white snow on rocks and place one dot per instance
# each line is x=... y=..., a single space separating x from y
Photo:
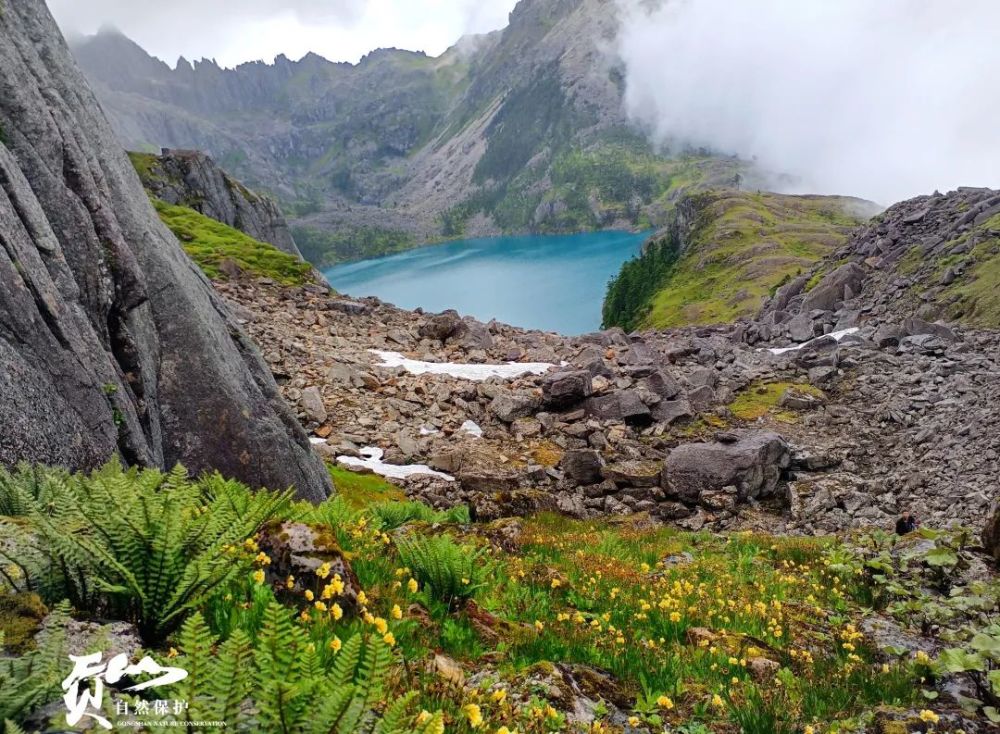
x=476 y=372
x=472 y=428
x=837 y=336
x=372 y=459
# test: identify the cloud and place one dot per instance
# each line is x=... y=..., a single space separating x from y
x=234 y=31
x=884 y=99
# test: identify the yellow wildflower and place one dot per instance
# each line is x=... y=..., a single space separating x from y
x=381 y=625
x=473 y=714
x=389 y=639
x=929 y=716
x=396 y=612
x=664 y=702
x=499 y=695
x=717 y=701
x=336 y=644
x=258 y=576
x=362 y=597
x=309 y=595
x=412 y=586
x=336 y=611
x=539 y=625
x=290 y=583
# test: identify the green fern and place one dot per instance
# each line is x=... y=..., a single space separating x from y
x=140 y=545
x=33 y=680
x=393 y=720
x=451 y=572
x=280 y=684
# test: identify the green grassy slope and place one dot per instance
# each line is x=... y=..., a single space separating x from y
x=975 y=299
x=209 y=243
x=730 y=250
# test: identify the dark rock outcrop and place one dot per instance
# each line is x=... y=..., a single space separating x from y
x=111 y=340
x=192 y=179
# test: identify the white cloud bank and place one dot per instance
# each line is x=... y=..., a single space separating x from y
x=884 y=99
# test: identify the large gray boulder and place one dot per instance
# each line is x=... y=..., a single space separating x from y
x=566 y=388
x=750 y=461
x=623 y=405
x=836 y=287
x=112 y=342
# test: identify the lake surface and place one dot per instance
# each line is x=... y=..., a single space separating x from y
x=548 y=282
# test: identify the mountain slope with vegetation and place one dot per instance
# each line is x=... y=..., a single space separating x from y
x=723 y=253
x=521 y=130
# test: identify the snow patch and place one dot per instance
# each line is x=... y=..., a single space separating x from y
x=316 y=440
x=472 y=428
x=837 y=336
x=372 y=459
x=476 y=372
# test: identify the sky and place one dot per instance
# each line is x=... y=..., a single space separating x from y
x=234 y=31
x=885 y=99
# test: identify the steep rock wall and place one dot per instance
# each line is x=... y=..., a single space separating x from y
x=111 y=340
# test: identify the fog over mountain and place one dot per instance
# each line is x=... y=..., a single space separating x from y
x=883 y=100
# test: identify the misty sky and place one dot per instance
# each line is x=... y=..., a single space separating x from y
x=884 y=99
x=232 y=31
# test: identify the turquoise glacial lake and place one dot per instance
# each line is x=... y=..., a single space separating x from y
x=548 y=282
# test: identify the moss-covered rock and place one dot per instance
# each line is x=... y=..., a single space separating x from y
x=21 y=616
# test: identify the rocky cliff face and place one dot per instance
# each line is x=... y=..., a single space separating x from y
x=930 y=258
x=192 y=179
x=521 y=130
x=111 y=341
